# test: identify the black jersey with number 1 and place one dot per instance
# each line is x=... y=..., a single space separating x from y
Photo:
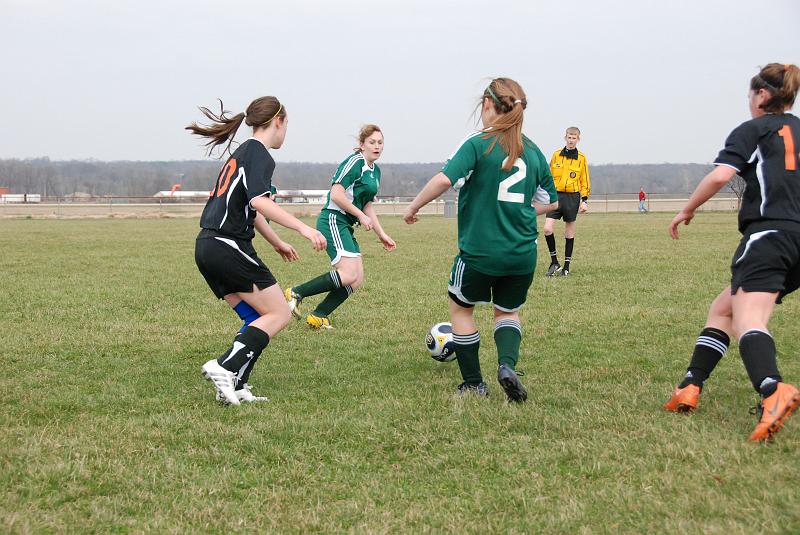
x=764 y=151
x=246 y=175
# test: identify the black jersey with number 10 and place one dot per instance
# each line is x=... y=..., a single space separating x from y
x=246 y=175
x=764 y=151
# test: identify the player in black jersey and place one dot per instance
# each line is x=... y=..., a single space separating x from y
x=240 y=204
x=766 y=265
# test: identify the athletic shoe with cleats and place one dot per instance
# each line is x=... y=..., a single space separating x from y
x=244 y=394
x=774 y=411
x=222 y=379
x=318 y=322
x=294 y=301
x=563 y=273
x=479 y=389
x=684 y=399
x=553 y=269
x=510 y=382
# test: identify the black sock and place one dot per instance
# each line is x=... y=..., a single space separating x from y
x=568 y=244
x=759 y=356
x=247 y=346
x=551 y=246
x=244 y=373
x=710 y=348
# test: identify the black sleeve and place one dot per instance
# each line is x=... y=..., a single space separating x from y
x=739 y=147
x=258 y=172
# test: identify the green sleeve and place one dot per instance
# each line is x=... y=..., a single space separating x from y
x=349 y=171
x=462 y=162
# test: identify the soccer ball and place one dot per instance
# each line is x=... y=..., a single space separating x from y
x=439 y=341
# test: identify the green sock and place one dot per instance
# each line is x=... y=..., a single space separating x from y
x=332 y=301
x=467 y=346
x=507 y=336
x=324 y=283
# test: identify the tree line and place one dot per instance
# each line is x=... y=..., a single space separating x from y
x=143 y=179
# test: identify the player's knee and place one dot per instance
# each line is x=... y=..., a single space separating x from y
x=357 y=283
x=349 y=278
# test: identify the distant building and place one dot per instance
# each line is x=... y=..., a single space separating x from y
x=310 y=196
x=200 y=195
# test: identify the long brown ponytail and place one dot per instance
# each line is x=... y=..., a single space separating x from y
x=781 y=81
x=509 y=102
x=259 y=114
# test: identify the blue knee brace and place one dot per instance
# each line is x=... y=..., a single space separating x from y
x=247 y=314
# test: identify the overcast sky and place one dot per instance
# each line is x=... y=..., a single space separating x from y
x=646 y=81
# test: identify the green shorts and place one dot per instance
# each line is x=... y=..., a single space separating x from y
x=468 y=288
x=339 y=233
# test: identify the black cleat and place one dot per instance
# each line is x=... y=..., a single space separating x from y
x=553 y=269
x=479 y=389
x=510 y=382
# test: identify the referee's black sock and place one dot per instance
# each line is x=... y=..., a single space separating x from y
x=247 y=346
x=759 y=356
x=568 y=244
x=551 y=246
x=710 y=347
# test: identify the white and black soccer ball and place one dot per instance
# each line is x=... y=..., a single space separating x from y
x=439 y=341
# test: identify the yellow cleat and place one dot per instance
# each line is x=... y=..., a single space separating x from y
x=318 y=322
x=294 y=302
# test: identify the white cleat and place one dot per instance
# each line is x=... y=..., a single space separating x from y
x=244 y=395
x=222 y=379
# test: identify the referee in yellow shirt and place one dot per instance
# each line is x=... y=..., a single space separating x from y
x=571 y=177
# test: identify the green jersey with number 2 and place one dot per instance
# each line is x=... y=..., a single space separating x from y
x=496 y=218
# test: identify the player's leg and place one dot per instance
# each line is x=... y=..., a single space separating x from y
x=751 y=313
x=711 y=345
x=325 y=282
x=508 y=295
x=351 y=271
x=549 y=223
x=345 y=256
x=572 y=203
x=466 y=288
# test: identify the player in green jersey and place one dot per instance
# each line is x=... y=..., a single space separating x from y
x=504 y=181
x=349 y=203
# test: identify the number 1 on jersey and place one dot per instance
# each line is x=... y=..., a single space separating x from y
x=788 y=142
x=503 y=194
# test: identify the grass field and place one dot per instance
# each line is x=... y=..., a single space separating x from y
x=108 y=426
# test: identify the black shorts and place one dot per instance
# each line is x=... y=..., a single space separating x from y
x=230 y=265
x=568 y=204
x=767 y=261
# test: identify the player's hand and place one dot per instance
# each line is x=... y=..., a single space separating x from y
x=583 y=208
x=388 y=242
x=316 y=238
x=365 y=221
x=287 y=252
x=685 y=217
x=410 y=215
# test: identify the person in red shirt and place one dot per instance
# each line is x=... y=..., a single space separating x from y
x=642 y=198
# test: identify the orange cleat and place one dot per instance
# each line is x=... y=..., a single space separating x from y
x=775 y=410
x=684 y=399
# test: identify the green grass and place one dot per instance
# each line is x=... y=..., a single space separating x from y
x=109 y=427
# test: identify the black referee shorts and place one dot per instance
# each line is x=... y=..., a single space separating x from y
x=568 y=204
x=230 y=266
x=767 y=261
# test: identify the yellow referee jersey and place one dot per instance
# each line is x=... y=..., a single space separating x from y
x=570 y=175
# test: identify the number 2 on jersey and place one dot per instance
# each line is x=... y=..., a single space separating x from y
x=788 y=142
x=503 y=194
